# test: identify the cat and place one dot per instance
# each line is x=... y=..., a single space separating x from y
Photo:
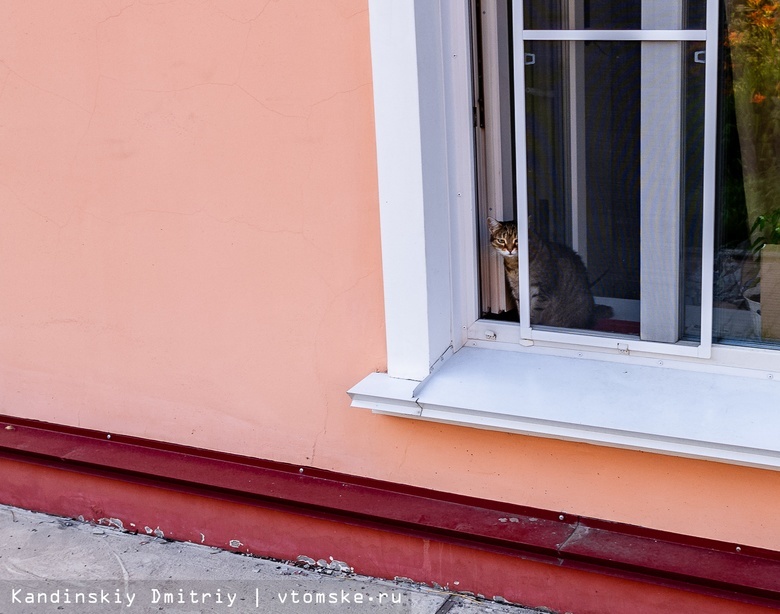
x=559 y=286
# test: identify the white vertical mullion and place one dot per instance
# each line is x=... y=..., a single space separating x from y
x=579 y=201
x=708 y=189
x=577 y=134
x=660 y=177
x=660 y=192
x=521 y=172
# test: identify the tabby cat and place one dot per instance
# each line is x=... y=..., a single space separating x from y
x=560 y=290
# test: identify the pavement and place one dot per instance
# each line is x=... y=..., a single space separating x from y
x=50 y=564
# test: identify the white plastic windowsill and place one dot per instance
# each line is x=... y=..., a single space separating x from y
x=727 y=418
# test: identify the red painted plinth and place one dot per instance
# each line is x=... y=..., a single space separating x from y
x=572 y=564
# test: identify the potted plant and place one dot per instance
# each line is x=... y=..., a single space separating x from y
x=766 y=245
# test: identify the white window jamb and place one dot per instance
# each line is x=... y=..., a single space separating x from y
x=422 y=103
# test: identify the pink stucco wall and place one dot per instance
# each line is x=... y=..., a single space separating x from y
x=189 y=251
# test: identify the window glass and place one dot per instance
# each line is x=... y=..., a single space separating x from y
x=598 y=156
x=747 y=258
x=692 y=188
x=591 y=164
x=606 y=14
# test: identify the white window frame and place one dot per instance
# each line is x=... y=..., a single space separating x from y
x=444 y=364
x=658 y=317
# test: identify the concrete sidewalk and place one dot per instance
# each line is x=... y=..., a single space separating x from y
x=51 y=564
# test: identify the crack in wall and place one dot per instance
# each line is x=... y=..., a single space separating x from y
x=38 y=87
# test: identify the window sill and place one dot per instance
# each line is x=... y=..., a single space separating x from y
x=713 y=416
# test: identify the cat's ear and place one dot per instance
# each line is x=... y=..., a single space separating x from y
x=493 y=225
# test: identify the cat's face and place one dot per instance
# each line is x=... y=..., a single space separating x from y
x=503 y=237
